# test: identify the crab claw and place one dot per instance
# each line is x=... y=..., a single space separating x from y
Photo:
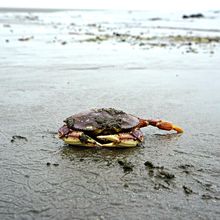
x=64 y=130
x=80 y=139
x=111 y=137
x=164 y=125
x=121 y=140
x=169 y=126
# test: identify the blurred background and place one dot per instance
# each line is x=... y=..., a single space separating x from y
x=114 y=4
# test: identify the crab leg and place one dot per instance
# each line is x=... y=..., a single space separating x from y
x=80 y=139
x=163 y=125
x=119 y=140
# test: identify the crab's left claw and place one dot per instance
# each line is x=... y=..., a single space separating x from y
x=164 y=125
x=80 y=139
x=64 y=130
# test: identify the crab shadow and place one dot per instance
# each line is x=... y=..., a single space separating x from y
x=167 y=137
x=79 y=152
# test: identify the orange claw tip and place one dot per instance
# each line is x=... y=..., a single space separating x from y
x=177 y=129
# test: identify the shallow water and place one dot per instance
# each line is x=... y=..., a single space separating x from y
x=42 y=81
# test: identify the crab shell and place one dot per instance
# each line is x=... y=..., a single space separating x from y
x=102 y=127
x=102 y=121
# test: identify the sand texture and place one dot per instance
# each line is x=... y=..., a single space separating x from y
x=54 y=64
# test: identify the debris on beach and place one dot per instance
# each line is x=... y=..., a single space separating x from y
x=127 y=166
x=63 y=43
x=149 y=164
x=186 y=168
x=31 y=17
x=18 y=137
x=187 y=190
x=158 y=172
x=155 y=19
x=6 y=25
x=25 y=38
x=165 y=174
x=208 y=197
x=198 y=15
x=190 y=42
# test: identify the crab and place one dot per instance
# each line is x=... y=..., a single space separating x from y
x=108 y=127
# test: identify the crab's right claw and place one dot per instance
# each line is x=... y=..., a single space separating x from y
x=64 y=130
x=119 y=140
x=164 y=125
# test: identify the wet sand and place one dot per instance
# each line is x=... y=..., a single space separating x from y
x=50 y=68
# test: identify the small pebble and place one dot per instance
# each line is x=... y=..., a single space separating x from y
x=126 y=185
x=56 y=164
x=149 y=164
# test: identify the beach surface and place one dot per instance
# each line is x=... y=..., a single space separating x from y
x=57 y=63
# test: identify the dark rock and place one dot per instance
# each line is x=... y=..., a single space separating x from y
x=127 y=166
x=56 y=164
x=185 y=166
x=126 y=185
x=149 y=164
x=207 y=197
x=155 y=19
x=158 y=186
x=25 y=38
x=63 y=43
x=18 y=137
x=187 y=190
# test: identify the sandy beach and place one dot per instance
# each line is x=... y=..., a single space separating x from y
x=57 y=63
